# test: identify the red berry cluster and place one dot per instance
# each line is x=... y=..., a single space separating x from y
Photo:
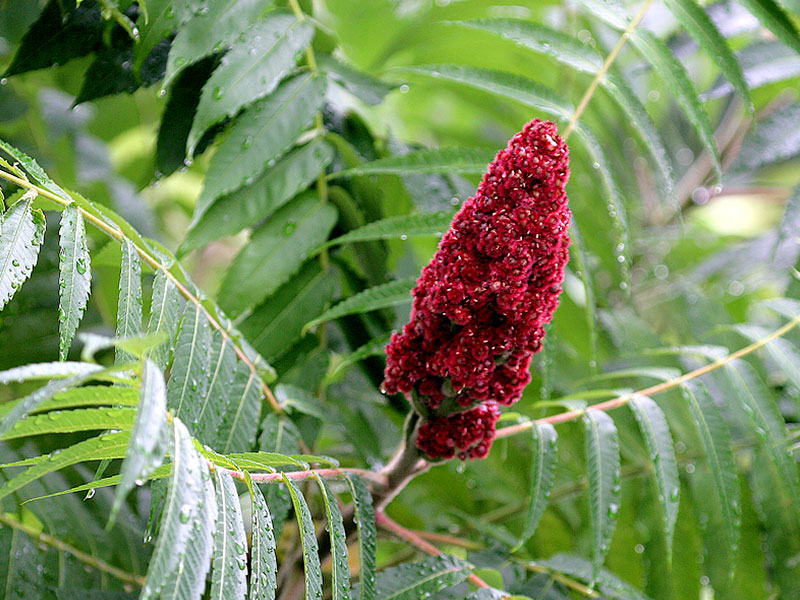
x=481 y=304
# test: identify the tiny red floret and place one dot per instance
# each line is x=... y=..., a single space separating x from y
x=481 y=304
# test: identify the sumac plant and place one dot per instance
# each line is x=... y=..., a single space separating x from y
x=394 y=299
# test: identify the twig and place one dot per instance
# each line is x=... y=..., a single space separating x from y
x=85 y=558
x=406 y=534
x=571 y=415
x=587 y=96
x=155 y=264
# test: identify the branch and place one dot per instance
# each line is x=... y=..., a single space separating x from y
x=587 y=96
x=85 y=558
x=155 y=264
x=571 y=415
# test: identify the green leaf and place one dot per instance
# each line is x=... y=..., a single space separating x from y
x=180 y=514
x=262 y=56
x=188 y=382
x=92 y=395
x=757 y=402
x=361 y=85
x=606 y=582
x=566 y=49
x=162 y=472
x=613 y=12
x=657 y=373
x=773 y=141
x=160 y=23
x=380 y=296
x=229 y=574
x=52 y=370
x=263 y=563
x=507 y=85
x=209 y=32
x=218 y=393
x=189 y=578
x=265 y=461
x=279 y=434
x=308 y=538
x=237 y=431
x=784 y=354
x=763 y=63
x=262 y=134
x=603 y=471
x=34 y=170
x=69 y=421
x=418 y=580
x=374 y=347
x=21 y=566
x=149 y=435
x=275 y=252
x=365 y=518
x=465 y=161
x=21 y=236
x=491 y=594
x=791 y=215
x=75 y=277
x=57 y=37
x=115 y=70
x=773 y=17
x=674 y=74
x=129 y=307
x=229 y=214
x=165 y=312
x=178 y=115
x=778 y=518
x=615 y=205
x=340 y=569
x=112 y=445
x=275 y=326
x=34 y=399
x=655 y=431
x=296 y=398
x=622 y=93
x=582 y=271
x=700 y=27
x=719 y=455
x=542 y=476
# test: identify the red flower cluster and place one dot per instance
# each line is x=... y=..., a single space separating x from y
x=467 y=434
x=481 y=304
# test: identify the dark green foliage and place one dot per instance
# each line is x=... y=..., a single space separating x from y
x=63 y=31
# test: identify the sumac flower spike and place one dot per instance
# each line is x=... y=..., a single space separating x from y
x=481 y=304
